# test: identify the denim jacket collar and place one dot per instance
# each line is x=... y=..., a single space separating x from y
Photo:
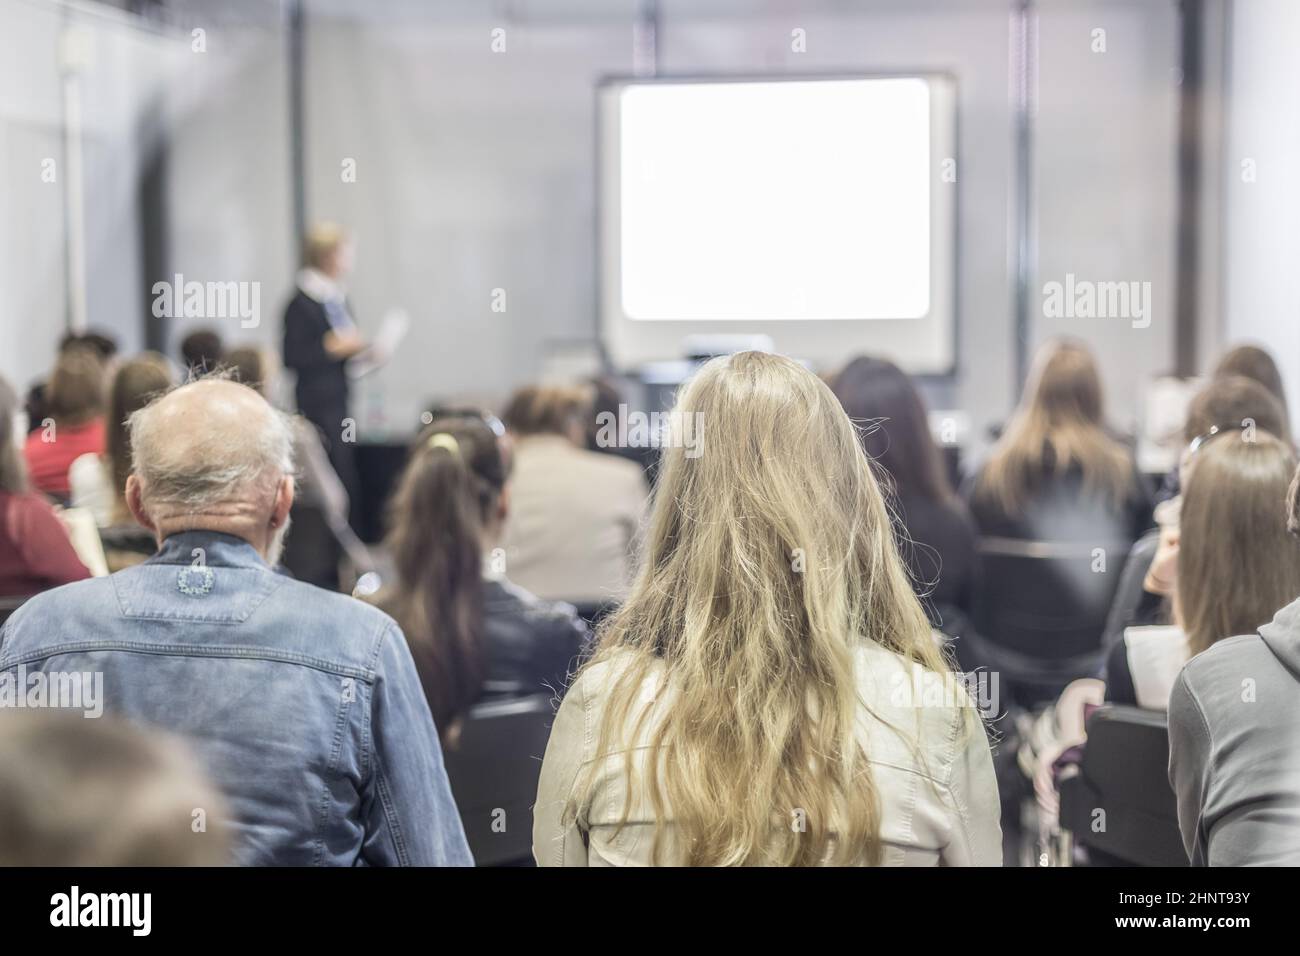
x=214 y=549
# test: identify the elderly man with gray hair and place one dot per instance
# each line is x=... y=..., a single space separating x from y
x=304 y=705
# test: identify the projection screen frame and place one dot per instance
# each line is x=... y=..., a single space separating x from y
x=629 y=343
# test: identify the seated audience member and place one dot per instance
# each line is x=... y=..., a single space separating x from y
x=472 y=633
x=251 y=366
x=1235 y=566
x=74 y=423
x=77 y=792
x=937 y=537
x=752 y=700
x=1252 y=362
x=1234 y=723
x=201 y=352
x=35 y=552
x=1055 y=474
x=304 y=706
x=104 y=346
x=319 y=488
x=574 y=512
x=607 y=404
x=1227 y=402
x=1247 y=362
x=1234 y=401
x=98 y=482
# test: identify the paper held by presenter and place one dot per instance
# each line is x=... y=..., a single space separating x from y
x=390 y=335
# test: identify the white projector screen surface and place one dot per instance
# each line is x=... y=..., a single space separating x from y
x=780 y=190
x=812 y=211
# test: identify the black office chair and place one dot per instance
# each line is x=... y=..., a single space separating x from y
x=1117 y=804
x=1041 y=609
x=493 y=769
x=126 y=544
x=311 y=551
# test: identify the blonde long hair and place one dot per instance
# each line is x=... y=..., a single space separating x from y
x=1058 y=426
x=768 y=559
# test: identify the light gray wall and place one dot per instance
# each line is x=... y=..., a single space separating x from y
x=220 y=112
x=126 y=68
x=1105 y=180
x=229 y=179
x=474 y=173
x=1260 y=186
x=475 y=169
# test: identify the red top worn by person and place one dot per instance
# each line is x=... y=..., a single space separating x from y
x=75 y=427
x=35 y=552
x=48 y=461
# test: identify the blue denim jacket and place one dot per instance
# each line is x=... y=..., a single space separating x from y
x=304 y=705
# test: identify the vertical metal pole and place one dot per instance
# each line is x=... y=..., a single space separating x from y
x=1188 y=233
x=74 y=57
x=155 y=242
x=297 y=149
x=1023 y=245
x=645 y=39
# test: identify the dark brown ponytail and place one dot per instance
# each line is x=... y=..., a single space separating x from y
x=436 y=517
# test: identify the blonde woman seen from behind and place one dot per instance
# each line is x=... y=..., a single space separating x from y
x=754 y=701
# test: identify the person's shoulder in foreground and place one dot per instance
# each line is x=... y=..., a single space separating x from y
x=1234 y=747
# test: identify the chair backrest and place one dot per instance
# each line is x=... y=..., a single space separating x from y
x=126 y=544
x=493 y=769
x=1119 y=803
x=311 y=551
x=1046 y=599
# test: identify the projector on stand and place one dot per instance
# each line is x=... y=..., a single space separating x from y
x=660 y=380
x=700 y=348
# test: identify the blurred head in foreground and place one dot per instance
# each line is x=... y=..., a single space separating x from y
x=102 y=792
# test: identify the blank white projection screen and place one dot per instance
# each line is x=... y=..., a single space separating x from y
x=814 y=211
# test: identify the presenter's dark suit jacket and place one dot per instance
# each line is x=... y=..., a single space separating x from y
x=322 y=389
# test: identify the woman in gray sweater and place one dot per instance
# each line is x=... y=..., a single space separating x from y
x=1234 y=713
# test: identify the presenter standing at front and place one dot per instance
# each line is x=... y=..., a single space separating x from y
x=319 y=338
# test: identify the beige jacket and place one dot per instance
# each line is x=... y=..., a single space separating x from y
x=939 y=810
x=573 y=516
